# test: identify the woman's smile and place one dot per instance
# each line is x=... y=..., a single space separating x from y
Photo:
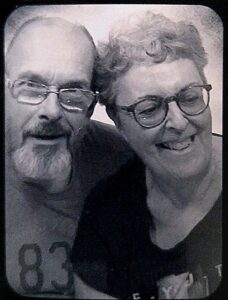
x=179 y=145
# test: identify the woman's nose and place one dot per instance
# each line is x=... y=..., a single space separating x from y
x=50 y=109
x=175 y=118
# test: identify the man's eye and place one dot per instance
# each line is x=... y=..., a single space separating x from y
x=35 y=85
x=72 y=91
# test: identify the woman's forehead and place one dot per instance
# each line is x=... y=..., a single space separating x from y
x=165 y=79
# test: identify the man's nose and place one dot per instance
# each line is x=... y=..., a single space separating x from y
x=175 y=118
x=50 y=109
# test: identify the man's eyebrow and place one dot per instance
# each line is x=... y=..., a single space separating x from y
x=148 y=96
x=81 y=83
x=33 y=77
x=75 y=84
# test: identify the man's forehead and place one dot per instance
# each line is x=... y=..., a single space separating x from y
x=41 y=28
x=51 y=40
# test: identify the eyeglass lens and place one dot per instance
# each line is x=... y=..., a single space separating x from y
x=75 y=99
x=29 y=92
x=153 y=110
x=34 y=93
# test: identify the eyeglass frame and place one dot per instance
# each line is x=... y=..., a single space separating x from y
x=166 y=100
x=11 y=84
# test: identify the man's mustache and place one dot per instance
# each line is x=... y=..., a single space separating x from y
x=47 y=129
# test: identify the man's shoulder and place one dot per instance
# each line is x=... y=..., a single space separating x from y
x=105 y=127
x=105 y=134
x=103 y=152
x=105 y=139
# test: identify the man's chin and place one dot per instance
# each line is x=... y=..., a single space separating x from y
x=46 y=166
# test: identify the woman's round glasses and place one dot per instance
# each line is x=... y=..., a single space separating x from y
x=152 y=110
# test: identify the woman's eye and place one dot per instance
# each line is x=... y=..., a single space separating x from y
x=148 y=111
x=189 y=100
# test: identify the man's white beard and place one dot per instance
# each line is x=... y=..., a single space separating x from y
x=40 y=164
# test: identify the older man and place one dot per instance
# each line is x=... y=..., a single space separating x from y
x=54 y=154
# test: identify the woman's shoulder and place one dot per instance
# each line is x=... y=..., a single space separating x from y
x=217 y=151
x=217 y=142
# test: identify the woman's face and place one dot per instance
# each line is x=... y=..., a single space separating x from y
x=181 y=144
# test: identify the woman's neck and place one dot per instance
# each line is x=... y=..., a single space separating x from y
x=178 y=206
x=182 y=192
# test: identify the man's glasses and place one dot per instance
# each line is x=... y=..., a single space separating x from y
x=152 y=110
x=33 y=93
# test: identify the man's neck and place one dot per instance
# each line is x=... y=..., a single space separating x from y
x=52 y=186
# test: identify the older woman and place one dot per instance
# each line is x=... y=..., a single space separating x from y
x=153 y=230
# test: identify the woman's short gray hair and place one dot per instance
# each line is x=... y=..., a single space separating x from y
x=148 y=39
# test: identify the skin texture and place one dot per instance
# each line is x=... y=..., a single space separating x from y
x=60 y=56
x=42 y=210
x=183 y=184
x=166 y=79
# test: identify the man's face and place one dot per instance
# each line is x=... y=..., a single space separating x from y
x=181 y=145
x=41 y=138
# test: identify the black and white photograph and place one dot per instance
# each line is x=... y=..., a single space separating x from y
x=113 y=151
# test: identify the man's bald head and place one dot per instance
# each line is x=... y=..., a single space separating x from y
x=57 y=28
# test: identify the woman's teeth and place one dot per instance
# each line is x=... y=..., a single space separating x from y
x=177 y=145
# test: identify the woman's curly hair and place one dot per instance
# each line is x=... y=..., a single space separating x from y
x=150 y=39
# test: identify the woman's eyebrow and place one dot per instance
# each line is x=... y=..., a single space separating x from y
x=189 y=85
